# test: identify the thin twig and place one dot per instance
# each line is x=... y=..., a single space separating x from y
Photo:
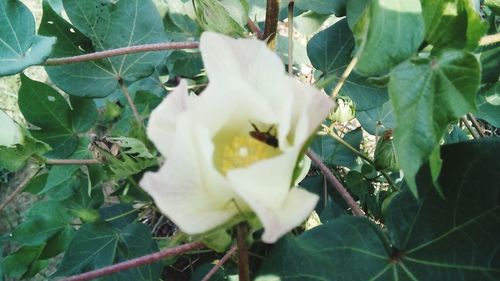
x=330 y=177
x=476 y=124
x=469 y=127
x=124 y=89
x=220 y=263
x=123 y=51
x=243 y=265
x=344 y=77
x=151 y=258
x=18 y=190
x=254 y=27
x=72 y=161
x=489 y=39
x=290 y=38
x=271 y=23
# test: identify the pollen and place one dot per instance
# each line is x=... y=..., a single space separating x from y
x=244 y=151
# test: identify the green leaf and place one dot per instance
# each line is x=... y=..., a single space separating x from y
x=185 y=64
x=330 y=52
x=37 y=230
x=494 y=5
x=334 y=153
x=103 y=25
x=84 y=114
x=389 y=32
x=14 y=158
x=99 y=244
x=57 y=243
x=377 y=120
x=432 y=239
x=18 y=263
x=428 y=94
x=45 y=108
x=336 y=7
x=59 y=175
x=490 y=56
x=20 y=47
x=452 y=24
x=456 y=135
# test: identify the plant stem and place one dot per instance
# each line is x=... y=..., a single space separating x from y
x=71 y=161
x=489 y=39
x=330 y=177
x=345 y=75
x=363 y=156
x=18 y=190
x=271 y=23
x=476 y=124
x=254 y=27
x=124 y=89
x=220 y=263
x=241 y=242
x=123 y=51
x=469 y=127
x=290 y=37
x=147 y=259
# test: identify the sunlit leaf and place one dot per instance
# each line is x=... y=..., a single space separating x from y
x=427 y=94
x=103 y=25
x=20 y=47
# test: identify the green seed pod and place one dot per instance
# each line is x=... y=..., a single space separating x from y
x=385 y=155
x=223 y=16
x=344 y=111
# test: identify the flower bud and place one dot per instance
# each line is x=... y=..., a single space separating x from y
x=344 y=111
x=224 y=16
x=385 y=155
x=11 y=132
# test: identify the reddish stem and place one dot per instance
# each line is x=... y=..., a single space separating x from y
x=108 y=270
x=123 y=51
x=220 y=263
x=330 y=177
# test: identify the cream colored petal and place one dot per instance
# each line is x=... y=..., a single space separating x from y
x=185 y=188
x=268 y=181
x=247 y=59
x=310 y=109
x=279 y=220
x=163 y=119
x=265 y=188
x=10 y=131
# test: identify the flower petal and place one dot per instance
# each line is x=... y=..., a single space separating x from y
x=162 y=121
x=265 y=188
x=187 y=188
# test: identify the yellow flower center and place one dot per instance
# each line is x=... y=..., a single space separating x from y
x=245 y=150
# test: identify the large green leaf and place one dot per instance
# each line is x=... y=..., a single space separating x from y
x=330 y=52
x=103 y=25
x=20 y=47
x=45 y=108
x=99 y=244
x=450 y=239
x=452 y=24
x=389 y=32
x=336 y=7
x=427 y=94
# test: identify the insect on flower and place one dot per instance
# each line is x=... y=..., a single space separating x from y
x=265 y=137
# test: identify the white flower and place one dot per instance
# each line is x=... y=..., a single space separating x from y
x=11 y=132
x=215 y=169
